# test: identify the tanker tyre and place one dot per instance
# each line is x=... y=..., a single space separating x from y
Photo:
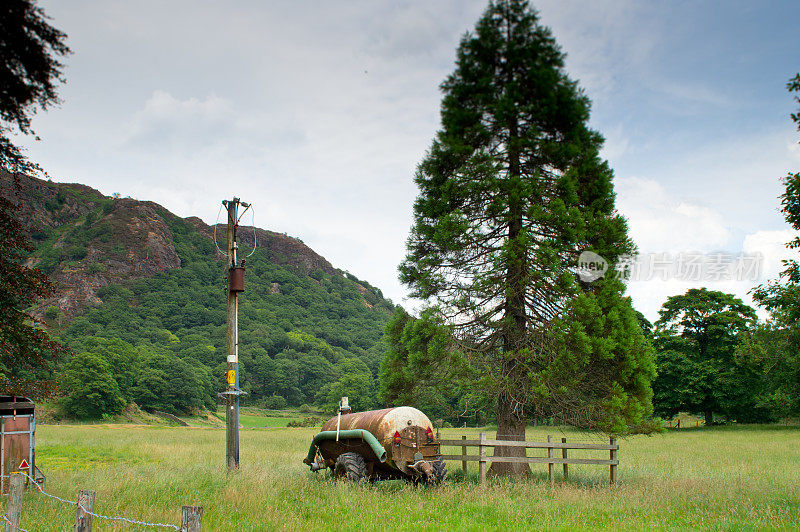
x=350 y=466
x=439 y=471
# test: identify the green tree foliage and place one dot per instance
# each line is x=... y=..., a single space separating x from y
x=778 y=342
x=29 y=72
x=511 y=192
x=153 y=377
x=422 y=368
x=355 y=381
x=292 y=332
x=275 y=402
x=771 y=354
x=90 y=388
x=698 y=335
x=26 y=352
x=170 y=384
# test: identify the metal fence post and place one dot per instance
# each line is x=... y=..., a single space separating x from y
x=14 y=506
x=550 y=475
x=564 y=456
x=464 y=454
x=482 y=459
x=83 y=519
x=613 y=457
x=191 y=518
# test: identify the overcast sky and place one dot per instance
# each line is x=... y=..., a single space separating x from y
x=318 y=113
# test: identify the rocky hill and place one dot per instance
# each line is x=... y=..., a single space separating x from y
x=140 y=297
x=86 y=240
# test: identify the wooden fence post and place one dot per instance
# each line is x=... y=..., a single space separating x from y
x=482 y=460
x=14 y=506
x=191 y=518
x=564 y=456
x=464 y=453
x=550 y=475
x=83 y=519
x=613 y=457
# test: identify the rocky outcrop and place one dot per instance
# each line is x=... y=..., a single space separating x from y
x=86 y=240
x=280 y=248
x=44 y=204
x=139 y=245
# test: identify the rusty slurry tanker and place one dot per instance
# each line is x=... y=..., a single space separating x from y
x=378 y=445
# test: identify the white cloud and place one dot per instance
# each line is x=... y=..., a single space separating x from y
x=661 y=222
x=772 y=247
x=616 y=144
x=618 y=41
x=167 y=122
x=793 y=148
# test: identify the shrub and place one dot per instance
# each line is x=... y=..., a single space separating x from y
x=90 y=387
x=39 y=234
x=275 y=402
x=305 y=409
x=108 y=205
x=308 y=421
x=77 y=252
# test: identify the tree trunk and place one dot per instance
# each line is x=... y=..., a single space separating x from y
x=511 y=416
x=709 y=418
x=511 y=421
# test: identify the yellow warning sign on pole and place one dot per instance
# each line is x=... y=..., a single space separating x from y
x=231 y=377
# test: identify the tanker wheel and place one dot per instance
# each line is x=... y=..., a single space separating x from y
x=439 y=471
x=350 y=466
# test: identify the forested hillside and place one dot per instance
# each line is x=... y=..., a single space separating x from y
x=141 y=302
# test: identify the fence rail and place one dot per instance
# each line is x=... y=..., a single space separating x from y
x=551 y=460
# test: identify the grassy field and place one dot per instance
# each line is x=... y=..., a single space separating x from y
x=732 y=478
x=251 y=417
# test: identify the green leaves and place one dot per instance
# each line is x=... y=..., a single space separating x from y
x=782 y=298
x=29 y=72
x=697 y=337
x=90 y=388
x=510 y=193
x=26 y=352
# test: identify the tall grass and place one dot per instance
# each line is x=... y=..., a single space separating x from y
x=715 y=478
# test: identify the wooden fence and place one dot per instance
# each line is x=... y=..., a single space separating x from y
x=551 y=446
x=191 y=518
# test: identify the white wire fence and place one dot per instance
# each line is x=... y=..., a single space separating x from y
x=191 y=515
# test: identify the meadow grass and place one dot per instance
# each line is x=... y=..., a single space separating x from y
x=253 y=417
x=260 y=421
x=731 y=478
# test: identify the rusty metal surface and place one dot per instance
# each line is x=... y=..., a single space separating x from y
x=236 y=278
x=16 y=446
x=409 y=422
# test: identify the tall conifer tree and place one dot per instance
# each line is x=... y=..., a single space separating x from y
x=511 y=192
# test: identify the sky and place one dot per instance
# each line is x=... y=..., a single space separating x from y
x=318 y=113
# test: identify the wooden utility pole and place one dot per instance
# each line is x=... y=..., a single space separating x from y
x=235 y=285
